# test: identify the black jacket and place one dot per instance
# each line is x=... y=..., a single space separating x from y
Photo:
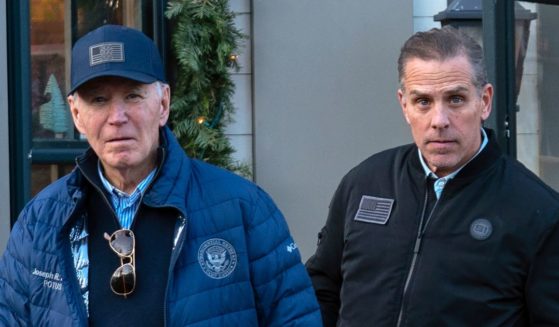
x=487 y=256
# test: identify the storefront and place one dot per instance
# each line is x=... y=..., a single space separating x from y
x=310 y=88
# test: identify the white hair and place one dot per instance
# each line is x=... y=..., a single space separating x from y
x=159 y=87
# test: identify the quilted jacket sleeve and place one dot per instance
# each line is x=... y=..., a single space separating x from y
x=14 y=277
x=284 y=293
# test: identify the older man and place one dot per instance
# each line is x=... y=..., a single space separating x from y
x=139 y=234
x=447 y=231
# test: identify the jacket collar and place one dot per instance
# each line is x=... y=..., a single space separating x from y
x=171 y=183
x=170 y=186
x=483 y=161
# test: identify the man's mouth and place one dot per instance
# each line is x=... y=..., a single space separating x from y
x=119 y=139
x=440 y=144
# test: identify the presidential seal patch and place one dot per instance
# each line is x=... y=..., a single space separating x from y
x=217 y=258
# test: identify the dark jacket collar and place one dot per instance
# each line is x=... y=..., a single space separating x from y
x=486 y=158
x=170 y=186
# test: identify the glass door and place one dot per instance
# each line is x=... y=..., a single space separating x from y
x=537 y=83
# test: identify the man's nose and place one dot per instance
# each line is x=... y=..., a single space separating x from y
x=439 y=117
x=117 y=112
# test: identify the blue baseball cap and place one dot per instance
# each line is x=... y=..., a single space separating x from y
x=114 y=50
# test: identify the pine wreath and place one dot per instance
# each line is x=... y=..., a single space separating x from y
x=205 y=42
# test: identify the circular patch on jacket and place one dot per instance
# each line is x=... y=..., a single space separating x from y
x=481 y=229
x=217 y=258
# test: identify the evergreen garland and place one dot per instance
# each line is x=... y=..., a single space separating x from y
x=205 y=41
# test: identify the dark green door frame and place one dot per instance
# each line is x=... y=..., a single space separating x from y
x=19 y=81
x=498 y=40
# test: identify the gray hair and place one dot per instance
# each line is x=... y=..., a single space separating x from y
x=441 y=44
x=159 y=87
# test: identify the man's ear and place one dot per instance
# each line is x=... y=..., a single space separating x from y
x=486 y=101
x=403 y=104
x=72 y=103
x=164 y=105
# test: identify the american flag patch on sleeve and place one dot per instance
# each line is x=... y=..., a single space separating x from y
x=374 y=210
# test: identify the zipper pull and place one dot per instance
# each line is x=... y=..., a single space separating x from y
x=417 y=245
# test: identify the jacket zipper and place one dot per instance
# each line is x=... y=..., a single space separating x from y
x=174 y=257
x=143 y=193
x=416 y=248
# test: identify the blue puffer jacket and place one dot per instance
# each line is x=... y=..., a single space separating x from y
x=264 y=283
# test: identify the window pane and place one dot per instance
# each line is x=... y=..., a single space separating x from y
x=538 y=84
x=43 y=175
x=55 y=24
x=49 y=113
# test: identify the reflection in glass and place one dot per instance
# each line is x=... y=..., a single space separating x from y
x=538 y=116
x=43 y=175
x=50 y=115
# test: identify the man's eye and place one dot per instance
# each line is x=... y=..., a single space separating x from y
x=133 y=96
x=456 y=99
x=422 y=102
x=98 y=100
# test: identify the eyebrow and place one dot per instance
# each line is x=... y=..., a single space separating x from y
x=416 y=92
x=457 y=89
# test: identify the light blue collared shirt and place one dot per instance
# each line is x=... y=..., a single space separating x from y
x=125 y=205
x=440 y=183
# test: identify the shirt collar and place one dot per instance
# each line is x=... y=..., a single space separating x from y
x=113 y=191
x=429 y=173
